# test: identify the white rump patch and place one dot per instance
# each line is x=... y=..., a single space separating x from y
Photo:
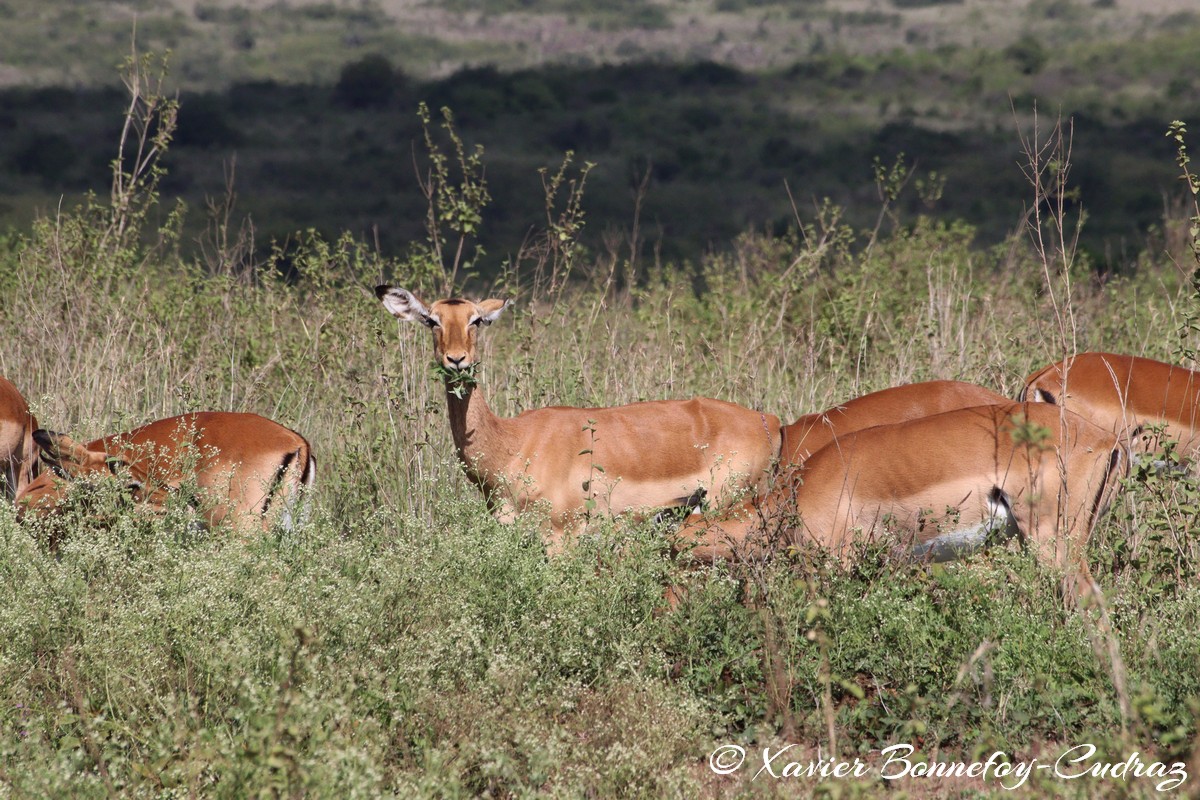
x=998 y=526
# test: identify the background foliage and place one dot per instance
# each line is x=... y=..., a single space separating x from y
x=717 y=119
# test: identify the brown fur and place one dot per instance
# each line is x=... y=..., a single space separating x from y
x=249 y=468
x=1124 y=393
x=917 y=479
x=18 y=456
x=811 y=432
x=627 y=458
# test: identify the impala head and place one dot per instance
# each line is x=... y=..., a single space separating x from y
x=66 y=459
x=455 y=323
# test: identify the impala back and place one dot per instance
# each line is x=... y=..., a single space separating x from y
x=245 y=468
x=1127 y=395
x=810 y=433
x=941 y=486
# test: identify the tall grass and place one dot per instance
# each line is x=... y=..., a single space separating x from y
x=404 y=642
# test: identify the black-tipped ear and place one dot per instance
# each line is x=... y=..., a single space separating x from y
x=682 y=507
x=49 y=451
x=63 y=454
x=490 y=310
x=115 y=464
x=1032 y=394
x=402 y=304
x=1135 y=434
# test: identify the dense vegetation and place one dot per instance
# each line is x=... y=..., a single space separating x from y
x=403 y=641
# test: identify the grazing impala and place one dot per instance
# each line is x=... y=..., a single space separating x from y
x=18 y=457
x=941 y=485
x=811 y=432
x=1123 y=393
x=572 y=461
x=250 y=470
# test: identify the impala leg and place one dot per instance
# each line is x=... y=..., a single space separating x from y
x=11 y=475
x=555 y=544
x=1061 y=547
x=1090 y=489
x=748 y=534
x=557 y=533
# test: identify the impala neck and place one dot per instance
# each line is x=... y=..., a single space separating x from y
x=473 y=426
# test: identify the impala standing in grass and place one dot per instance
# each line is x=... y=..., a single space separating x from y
x=576 y=461
x=250 y=471
x=18 y=456
x=1124 y=394
x=938 y=487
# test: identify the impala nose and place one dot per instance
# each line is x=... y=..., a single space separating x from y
x=456 y=362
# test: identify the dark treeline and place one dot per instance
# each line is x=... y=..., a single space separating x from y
x=712 y=151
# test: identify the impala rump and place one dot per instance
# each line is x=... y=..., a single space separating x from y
x=246 y=469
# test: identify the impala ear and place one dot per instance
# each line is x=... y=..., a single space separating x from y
x=402 y=304
x=63 y=454
x=116 y=465
x=490 y=310
x=43 y=438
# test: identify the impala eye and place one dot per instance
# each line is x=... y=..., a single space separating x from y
x=430 y=322
x=476 y=321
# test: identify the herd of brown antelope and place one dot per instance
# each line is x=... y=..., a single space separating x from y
x=938 y=468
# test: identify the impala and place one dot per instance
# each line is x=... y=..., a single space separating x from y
x=18 y=457
x=811 y=432
x=938 y=487
x=248 y=469
x=1124 y=393
x=573 y=462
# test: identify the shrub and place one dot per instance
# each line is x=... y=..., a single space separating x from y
x=370 y=82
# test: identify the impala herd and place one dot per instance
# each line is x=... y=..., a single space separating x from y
x=933 y=470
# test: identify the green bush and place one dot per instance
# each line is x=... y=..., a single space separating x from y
x=369 y=82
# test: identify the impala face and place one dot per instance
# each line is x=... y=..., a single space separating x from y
x=68 y=460
x=455 y=323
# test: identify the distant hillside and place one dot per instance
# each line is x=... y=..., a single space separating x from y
x=217 y=43
x=323 y=132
